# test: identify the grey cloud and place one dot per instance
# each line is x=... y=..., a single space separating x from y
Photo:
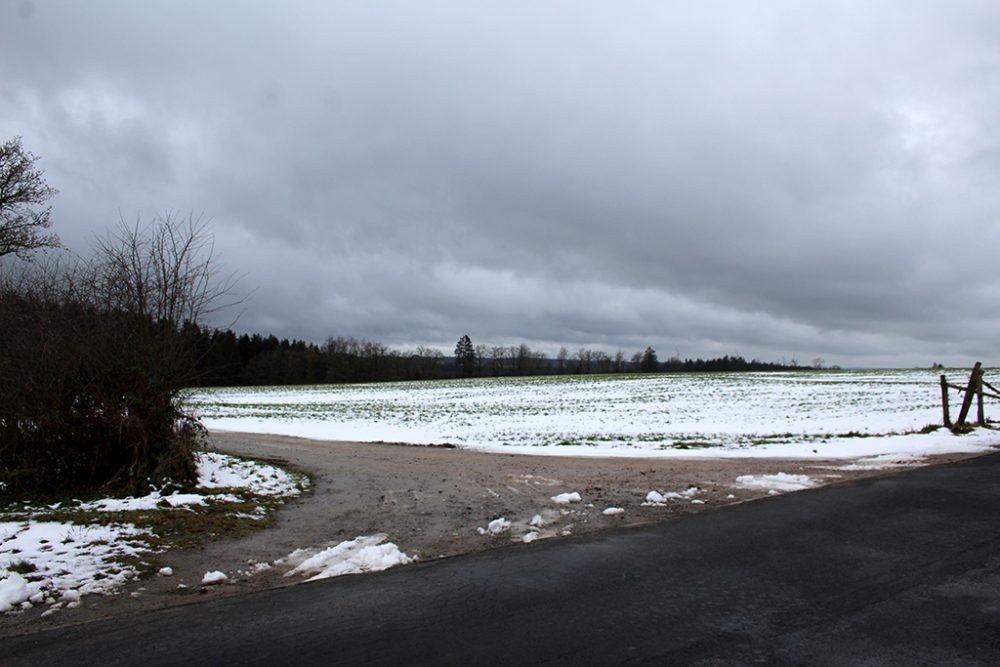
x=770 y=180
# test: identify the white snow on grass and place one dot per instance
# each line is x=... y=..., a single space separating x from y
x=54 y=563
x=362 y=554
x=779 y=482
x=151 y=501
x=566 y=498
x=220 y=471
x=811 y=415
x=613 y=511
x=46 y=561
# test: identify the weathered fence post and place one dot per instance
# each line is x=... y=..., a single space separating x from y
x=970 y=389
x=944 y=402
x=981 y=414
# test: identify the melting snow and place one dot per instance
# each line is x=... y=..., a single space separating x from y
x=59 y=557
x=362 y=554
x=217 y=471
x=654 y=498
x=566 y=498
x=778 y=483
x=495 y=527
x=214 y=577
x=55 y=562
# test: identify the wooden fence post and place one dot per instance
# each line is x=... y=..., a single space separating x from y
x=944 y=402
x=970 y=389
x=981 y=414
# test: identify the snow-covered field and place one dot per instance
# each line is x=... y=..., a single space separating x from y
x=831 y=414
x=48 y=560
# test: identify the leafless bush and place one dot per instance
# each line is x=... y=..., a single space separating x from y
x=95 y=357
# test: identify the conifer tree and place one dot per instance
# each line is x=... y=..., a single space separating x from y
x=465 y=354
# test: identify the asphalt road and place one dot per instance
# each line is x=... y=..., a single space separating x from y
x=900 y=570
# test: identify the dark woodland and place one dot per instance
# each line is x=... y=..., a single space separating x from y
x=226 y=359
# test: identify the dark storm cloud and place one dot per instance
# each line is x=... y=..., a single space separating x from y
x=775 y=180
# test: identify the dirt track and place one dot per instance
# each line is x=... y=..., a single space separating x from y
x=430 y=502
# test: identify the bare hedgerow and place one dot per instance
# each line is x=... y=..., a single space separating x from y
x=96 y=356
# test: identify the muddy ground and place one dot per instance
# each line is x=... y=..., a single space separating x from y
x=432 y=502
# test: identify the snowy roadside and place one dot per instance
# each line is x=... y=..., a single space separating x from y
x=453 y=501
x=53 y=555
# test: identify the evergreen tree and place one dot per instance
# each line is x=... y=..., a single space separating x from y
x=465 y=354
x=649 y=363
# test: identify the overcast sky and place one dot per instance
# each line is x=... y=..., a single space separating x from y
x=770 y=179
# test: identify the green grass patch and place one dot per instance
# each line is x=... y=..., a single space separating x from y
x=691 y=444
x=22 y=567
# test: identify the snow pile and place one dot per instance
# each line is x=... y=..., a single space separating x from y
x=778 y=483
x=214 y=577
x=362 y=554
x=57 y=562
x=566 y=498
x=217 y=471
x=528 y=538
x=496 y=527
x=15 y=590
x=654 y=498
x=613 y=511
x=657 y=498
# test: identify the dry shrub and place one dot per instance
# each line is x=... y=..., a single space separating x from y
x=94 y=361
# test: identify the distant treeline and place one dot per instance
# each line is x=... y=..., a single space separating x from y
x=225 y=359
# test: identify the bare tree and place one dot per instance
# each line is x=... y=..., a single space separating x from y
x=482 y=354
x=561 y=359
x=165 y=270
x=23 y=195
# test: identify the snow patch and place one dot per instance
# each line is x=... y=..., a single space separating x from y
x=495 y=527
x=884 y=462
x=778 y=483
x=657 y=498
x=214 y=577
x=362 y=554
x=148 y=502
x=62 y=558
x=613 y=511
x=217 y=471
x=566 y=498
